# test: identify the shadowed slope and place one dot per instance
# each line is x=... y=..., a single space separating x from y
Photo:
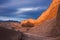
x=6 y=34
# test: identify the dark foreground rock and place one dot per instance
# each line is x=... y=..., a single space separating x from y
x=7 y=34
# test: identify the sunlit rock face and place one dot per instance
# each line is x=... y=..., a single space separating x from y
x=47 y=15
x=31 y=21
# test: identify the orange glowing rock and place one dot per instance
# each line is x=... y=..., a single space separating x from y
x=50 y=13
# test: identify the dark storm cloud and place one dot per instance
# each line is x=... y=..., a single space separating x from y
x=22 y=9
x=3 y=1
x=7 y=11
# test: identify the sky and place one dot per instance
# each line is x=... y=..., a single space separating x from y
x=22 y=9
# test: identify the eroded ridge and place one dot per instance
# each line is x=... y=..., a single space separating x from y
x=50 y=13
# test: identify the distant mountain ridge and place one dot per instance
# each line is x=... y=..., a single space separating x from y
x=8 y=21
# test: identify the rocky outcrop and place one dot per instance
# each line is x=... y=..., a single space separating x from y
x=47 y=15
